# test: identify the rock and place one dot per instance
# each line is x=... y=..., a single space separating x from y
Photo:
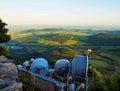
x=8 y=75
x=10 y=85
x=8 y=71
x=3 y=59
x=12 y=75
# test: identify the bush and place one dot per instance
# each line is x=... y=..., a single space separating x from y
x=115 y=81
x=4 y=52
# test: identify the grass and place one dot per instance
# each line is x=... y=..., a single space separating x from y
x=116 y=58
x=35 y=42
x=98 y=63
x=37 y=49
x=113 y=56
x=16 y=47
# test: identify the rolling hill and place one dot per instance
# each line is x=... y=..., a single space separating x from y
x=103 y=39
x=54 y=44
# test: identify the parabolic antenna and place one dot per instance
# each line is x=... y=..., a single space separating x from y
x=40 y=66
x=62 y=67
x=80 y=66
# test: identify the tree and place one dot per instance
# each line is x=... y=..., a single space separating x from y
x=4 y=38
x=97 y=81
x=3 y=32
x=115 y=81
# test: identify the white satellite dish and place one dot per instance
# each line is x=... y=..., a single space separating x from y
x=62 y=67
x=80 y=66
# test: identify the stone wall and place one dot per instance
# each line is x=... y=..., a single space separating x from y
x=41 y=83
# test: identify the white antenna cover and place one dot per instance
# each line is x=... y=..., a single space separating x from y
x=40 y=66
x=80 y=66
x=62 y=67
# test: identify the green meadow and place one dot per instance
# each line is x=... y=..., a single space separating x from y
x=57 y=43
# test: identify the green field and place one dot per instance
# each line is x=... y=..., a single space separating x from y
x=57 y=43
x=98 y=63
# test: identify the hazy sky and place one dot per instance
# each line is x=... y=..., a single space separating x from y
x=60 y=12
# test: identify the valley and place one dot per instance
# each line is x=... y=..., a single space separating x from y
x=57 y=43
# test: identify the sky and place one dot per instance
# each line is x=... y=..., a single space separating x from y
x=60 y=12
